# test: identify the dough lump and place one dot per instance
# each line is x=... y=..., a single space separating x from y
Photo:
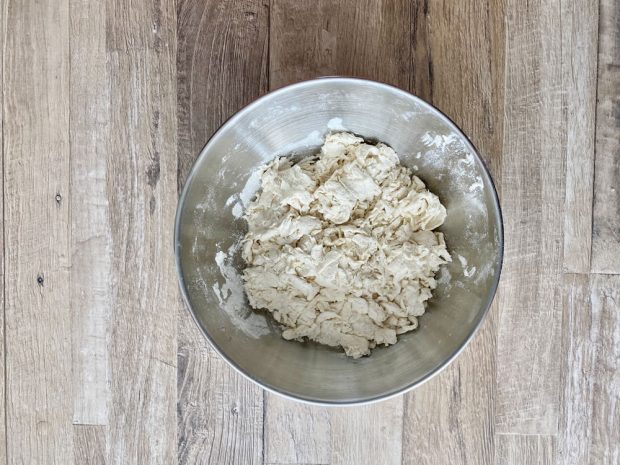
x=340 y=246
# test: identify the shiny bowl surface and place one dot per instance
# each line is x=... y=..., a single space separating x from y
x=292 y=122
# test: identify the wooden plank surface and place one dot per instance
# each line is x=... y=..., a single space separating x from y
x=296 y=433
x=105 y=105
x=141 y=194
x=528 y=375
x=142 y=201
x=606 y=218
x=90 y=444
x=579 y=63
x=221 y=67
x=222 y=63
x=3 y=278
x=580 y=349
x=591 y=397
x=36 y=168
x=368 y=39
x=605 y=335
x=368 y=435
x=90 y=231
x=513 y=449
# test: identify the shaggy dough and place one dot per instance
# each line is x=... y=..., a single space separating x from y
x=340 y=247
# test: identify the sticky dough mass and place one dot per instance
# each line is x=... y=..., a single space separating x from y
x=340 y=246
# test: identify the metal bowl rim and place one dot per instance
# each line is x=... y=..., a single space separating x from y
x=289 y=88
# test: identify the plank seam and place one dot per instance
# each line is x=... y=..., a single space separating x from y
x=598 y=51
x=268 y=70
x=264 y=405
x=533 y=435
x=4 y=342
x=289 y=463
x=403 y=436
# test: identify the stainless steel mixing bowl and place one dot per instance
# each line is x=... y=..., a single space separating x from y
x=292 y=121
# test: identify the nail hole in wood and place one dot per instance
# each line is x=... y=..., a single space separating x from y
x=40 y=280
x=58 y=198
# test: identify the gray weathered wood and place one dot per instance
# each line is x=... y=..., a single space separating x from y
x=91 y=168
x=606 y=217
x=590 y=422
x=220 y=412
x=139 y=24
x=142 y=200
x=91 y=248
x=579 y=60
x=528 y=374
x=605 y=335
x=142 y=196
x=369 y=434
x=579 y=346
x=3 y=444
x=368 y=39
x=36 y=169
x=466 y=42
x=296 y=433
x=450 y=418
x=89 y=445
x=514 y=449
x=221 y=67
x=222 y=62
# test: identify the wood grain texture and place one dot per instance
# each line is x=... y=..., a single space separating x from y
x=222 y=63
x=466 y=42
x=513 y=449
x=579 y=346
x=142 y=200
x=296 y=433
x=221 y=67
x=605 y=335
x=139 y=24
x=368 y=39
x=36 y=168
x=579 y=62
x=450 y=419
x=369 y=434
x=89 y=445
x=528 y=375
x=220 y=412
x=606 y=217
x=91 y=248
x=421 y=65
x=142 y=197
x=590 y=423
x=3 y=278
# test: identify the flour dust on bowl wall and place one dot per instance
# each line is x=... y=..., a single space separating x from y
x=294 y=122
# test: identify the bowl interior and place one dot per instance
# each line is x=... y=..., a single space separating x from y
x=293 y=121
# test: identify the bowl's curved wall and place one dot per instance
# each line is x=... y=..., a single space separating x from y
x=294 y=120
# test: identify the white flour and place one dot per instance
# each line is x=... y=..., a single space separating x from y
x=231 y=296
x=468 y=183
x=335 y=124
